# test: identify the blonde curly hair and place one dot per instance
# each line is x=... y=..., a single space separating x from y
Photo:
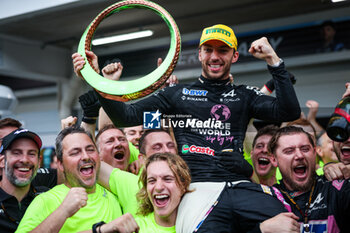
x=181 y=172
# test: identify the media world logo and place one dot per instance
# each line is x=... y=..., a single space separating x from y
x=151 y=120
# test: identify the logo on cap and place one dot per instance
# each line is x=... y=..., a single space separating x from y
x=219 y=32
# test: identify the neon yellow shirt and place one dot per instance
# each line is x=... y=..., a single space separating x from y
x=125 y=186
x=248 y=158
x=134 y=153
x=148 y=224
x=102 y=205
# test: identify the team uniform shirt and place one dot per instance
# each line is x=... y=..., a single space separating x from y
x=12 y=211
x=102 y=205
x=209 y=116
x=134 y=153
x=329 y=209
x=125 y=186
x=148 y=224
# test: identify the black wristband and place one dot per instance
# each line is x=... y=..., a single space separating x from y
x=89 y=120
x=94 y=227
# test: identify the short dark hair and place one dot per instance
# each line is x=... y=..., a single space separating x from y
x=266 y=130
x=10 y=122
x=142 y=141
x=288 y=130
x=65 y=132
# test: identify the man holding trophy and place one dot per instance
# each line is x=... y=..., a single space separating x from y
x=215 y=113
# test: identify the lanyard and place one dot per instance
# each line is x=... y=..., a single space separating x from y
x=8 y=215
x=304 y=215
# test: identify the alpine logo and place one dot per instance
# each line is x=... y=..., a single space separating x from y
x=197 y=150
x=318 y=199
x=194 y=92
x=231 y=94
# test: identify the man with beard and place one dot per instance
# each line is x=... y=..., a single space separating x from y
x=79 y=203
x=20 y=151
x=320 y=205
x=7 y=125
x=45 y=176
x=264 y=170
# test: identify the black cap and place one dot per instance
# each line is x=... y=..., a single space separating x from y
x=19 y=133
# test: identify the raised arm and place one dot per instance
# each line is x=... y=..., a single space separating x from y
x=79 y=62
x=347 y=91
x=285 y=107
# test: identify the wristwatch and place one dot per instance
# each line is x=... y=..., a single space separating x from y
x=278 y=63
x=94 y=227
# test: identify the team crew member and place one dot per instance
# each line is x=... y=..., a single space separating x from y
x=216 y=113
x=165 y=179
x=156 y=141
x=133 y=134
x=20 y=151
x=79 y=203
x=320 y=205
x=264 y=170
x=113 y=147
x=45 y=177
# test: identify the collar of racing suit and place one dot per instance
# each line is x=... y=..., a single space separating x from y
x=214 y=82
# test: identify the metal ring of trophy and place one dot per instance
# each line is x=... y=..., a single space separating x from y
x=134 y=89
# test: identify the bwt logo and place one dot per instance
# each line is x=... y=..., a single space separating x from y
x=151 y=120
x=193 y=92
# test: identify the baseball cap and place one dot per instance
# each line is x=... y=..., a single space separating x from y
x=219 y=32
x=19 y=133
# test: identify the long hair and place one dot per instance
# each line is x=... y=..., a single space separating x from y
x=180 y=170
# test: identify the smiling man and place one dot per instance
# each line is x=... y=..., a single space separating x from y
x=342 y=150
x=320 y=205
x=79 y=203
x=261 y=159
x=215 y=113
x=165 y=180
x=19 y=167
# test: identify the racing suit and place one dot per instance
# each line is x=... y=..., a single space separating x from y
x=329 y=210
x=215 y=115
x=209 y=116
